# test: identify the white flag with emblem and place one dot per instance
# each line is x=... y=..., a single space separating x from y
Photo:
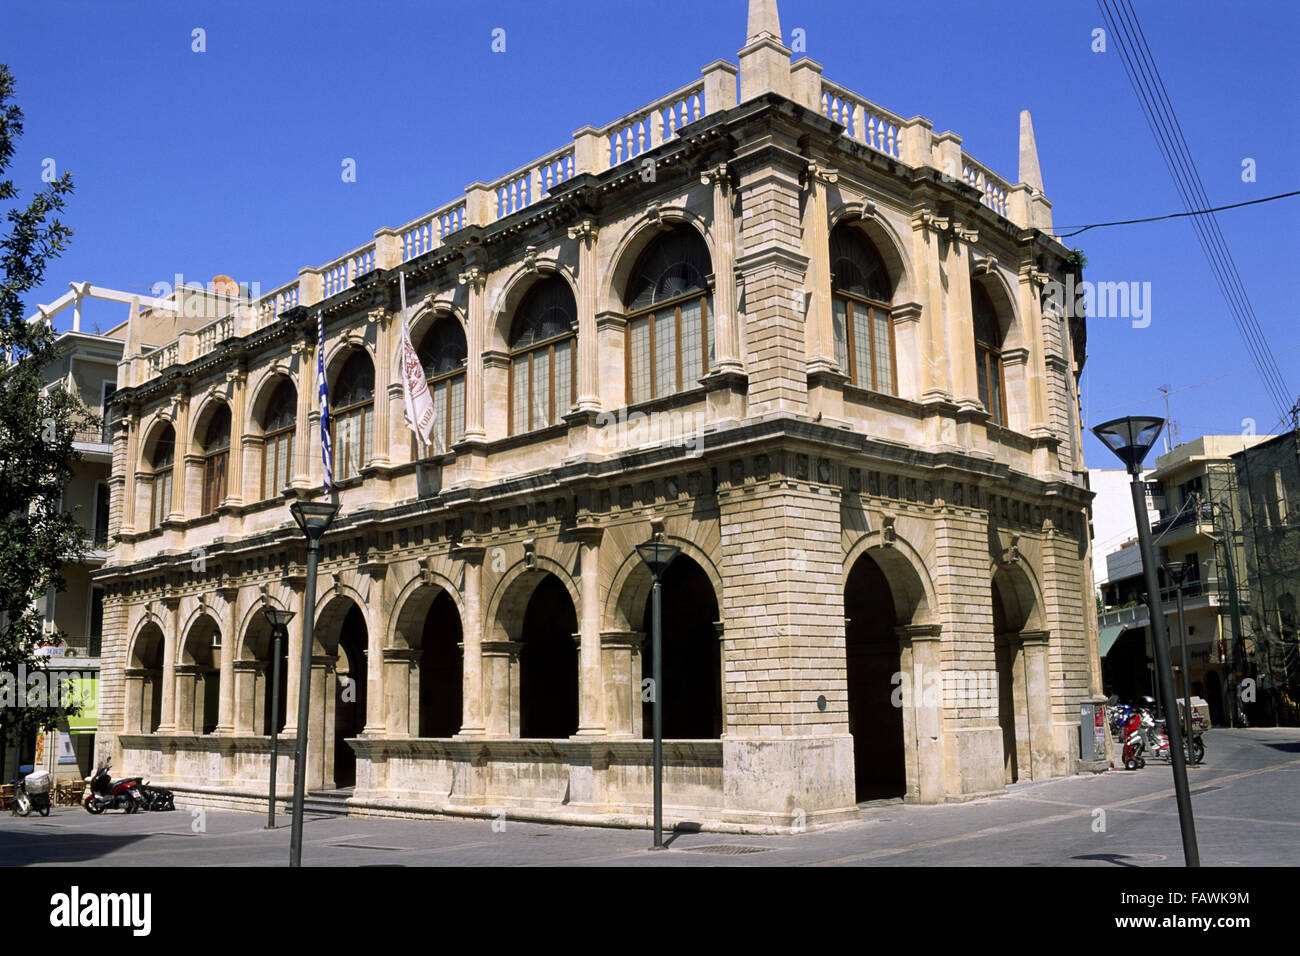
x=415 y=387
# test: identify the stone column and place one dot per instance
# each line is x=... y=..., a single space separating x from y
x=501 y=688
x=919 y=646
x=171 y=643
x=622 y=693
x=124 y=476
x=820 y=329
x=960 y=331
x=294 y=650
x=1038 y=694
x=236 y=492
x=320 y=733
x=382 y=320
x=474 y=686
x=249 y=718
x=726 y=301
x=474 y=279
x=588 y=289
x=307 y=385
x=182 y=462
x=591 y=699
x=226 y=698
x=189 y=714
x=135 y=719
x=402 y=691
x=377 y=609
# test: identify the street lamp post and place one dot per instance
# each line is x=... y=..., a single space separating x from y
x=313 y=517
x=279 y=621
x=657 y=555
x=1130 y=439
x=1177 y=572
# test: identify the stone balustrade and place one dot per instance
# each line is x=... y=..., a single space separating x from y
x=646 y=129
x=862 y=120
x=992 y=187
x=531 y=183
x=428 y=232
x=269 y=307
x=339 y=275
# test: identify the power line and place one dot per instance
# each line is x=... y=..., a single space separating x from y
x=1163 y=123
x=1172 y=215
x=1187 y=388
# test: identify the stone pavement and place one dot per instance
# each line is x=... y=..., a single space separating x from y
x=1246 y=799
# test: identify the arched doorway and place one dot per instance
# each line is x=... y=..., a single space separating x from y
x=256 y=712
x=441 y=682
x=349 y=694
x=548 y=663
x=198 y=679
x=1021 y=670
x=144 y=678
x=874 y=670
x=692 y=660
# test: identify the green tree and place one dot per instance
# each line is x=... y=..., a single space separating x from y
x=36 y=452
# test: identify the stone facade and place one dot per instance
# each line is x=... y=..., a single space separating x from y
x=777 y=474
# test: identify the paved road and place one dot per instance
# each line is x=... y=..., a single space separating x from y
x=1246 y=800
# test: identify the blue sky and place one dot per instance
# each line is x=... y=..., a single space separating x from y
x=229 y=161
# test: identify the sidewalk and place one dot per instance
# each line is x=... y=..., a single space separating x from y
x=1246 y=800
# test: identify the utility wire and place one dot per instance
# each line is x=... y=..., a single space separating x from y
x=1168 y=133
x=1172 y=215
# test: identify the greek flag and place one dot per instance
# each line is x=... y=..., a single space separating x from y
x=322 y=391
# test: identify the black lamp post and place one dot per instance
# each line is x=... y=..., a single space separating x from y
x=1176 y=571
x=657 y=555
x=279 y=621
x=1130 y=439
x=313 y=517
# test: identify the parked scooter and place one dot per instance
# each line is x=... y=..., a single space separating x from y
x=33 y=793
x=1134 y=741
x=103 y=793
x=157 y=798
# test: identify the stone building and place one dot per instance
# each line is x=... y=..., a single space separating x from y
x=799 y=336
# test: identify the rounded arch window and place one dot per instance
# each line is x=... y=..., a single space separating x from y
x=216 y=459
x=278 y=424
x=443 y=354
x=670 y=317
x=860 y=298
x=352 y=419
x=543 y=370
x=161 y=463
x=988 y=354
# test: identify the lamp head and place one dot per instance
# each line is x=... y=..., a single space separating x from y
x=277 y=618
x=1176 y=570
x=314 y=517
x=657 y=555
x=1130 y=438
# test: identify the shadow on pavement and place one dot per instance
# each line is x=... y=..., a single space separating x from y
x=21 y=848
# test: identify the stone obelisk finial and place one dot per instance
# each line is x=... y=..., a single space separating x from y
x=1030 y=174
x=764 y=21
x=765 y=60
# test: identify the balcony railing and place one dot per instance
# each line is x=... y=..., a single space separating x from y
x=1194 y=514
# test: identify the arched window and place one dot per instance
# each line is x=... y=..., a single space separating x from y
x=543 y=373
x=670 y=317
x=161 y=462
x=353 y=416
x=216 y=459
x=988 y=355
x=277 y=452
x=443 y=353
x=860 y=297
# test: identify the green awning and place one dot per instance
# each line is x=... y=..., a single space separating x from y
x=85 y=690
x=1109 y=635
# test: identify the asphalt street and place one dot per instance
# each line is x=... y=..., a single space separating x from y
x=1246 y=800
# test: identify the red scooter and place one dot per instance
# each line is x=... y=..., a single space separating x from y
x=1134 y=742
x=102 y=793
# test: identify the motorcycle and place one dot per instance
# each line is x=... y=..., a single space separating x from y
x=33 y=793
x=1156 y=733
x=157 y=798
x=103 y=793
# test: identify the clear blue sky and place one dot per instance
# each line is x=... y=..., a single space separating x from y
x=229 y=161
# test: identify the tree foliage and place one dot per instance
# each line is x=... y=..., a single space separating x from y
x=37 y=424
